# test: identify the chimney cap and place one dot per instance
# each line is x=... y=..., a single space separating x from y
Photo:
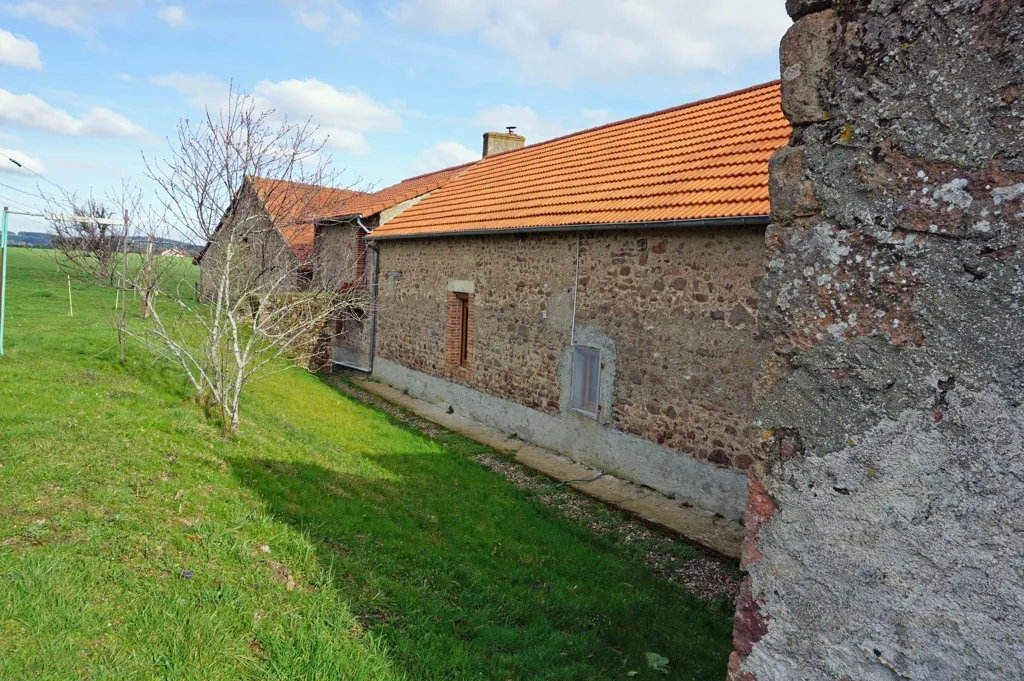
x=511 y=129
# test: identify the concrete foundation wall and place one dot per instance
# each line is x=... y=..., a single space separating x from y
x=886 y=531
x=583 y=439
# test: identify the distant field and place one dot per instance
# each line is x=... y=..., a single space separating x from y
x=326 y=541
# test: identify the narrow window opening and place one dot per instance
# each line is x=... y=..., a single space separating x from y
x=463 y=329
x=586 y=380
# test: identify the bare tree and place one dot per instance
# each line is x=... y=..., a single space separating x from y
x=87 y=236
x=93 y=243
x=262 y=305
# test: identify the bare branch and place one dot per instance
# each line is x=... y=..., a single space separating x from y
x=249 y=186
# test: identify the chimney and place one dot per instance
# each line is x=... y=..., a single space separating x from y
x=500 y=142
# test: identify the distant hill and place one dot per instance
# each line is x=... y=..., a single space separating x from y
x=159 y=245
x=35 y=239
x=45 y=240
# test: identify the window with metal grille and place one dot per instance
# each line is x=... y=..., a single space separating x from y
x=586 y=380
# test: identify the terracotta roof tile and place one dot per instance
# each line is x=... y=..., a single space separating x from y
x=375 y=202
x=294 y=206
x=703 y=160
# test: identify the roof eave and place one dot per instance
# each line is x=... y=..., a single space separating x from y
x=737 y=221
x=348 y=217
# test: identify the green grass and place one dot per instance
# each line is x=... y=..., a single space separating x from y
x=391 y=556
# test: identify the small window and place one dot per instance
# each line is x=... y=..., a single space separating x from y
x=586 y=380
x=463 y=299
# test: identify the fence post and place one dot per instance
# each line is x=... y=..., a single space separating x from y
x=3 y=277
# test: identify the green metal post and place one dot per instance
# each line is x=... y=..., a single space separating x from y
x=3 y=278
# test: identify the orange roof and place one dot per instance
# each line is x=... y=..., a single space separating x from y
x=699 y=161
x=373 y=203
x=294 y=206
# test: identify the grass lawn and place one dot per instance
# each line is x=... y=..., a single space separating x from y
x=325 y=541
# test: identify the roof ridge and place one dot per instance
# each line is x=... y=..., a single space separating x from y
x=428 y=174
x=633 y=119
x=251 y=177
x=393 y=194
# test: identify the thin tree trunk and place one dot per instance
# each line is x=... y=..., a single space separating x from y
x=122 y=332
x=146 y=279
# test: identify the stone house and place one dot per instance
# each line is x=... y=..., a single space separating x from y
x=273 y=221
x=595 y=294
x=340 y=252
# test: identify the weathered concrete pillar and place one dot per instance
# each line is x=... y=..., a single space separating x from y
x=886 y=532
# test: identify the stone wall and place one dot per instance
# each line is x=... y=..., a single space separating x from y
x=263 y=256
x=339 y=255
x=350 y=339
x=522 y=311
x=342 y=261
x=681 y=308
x=672 y=310
x=885 y=530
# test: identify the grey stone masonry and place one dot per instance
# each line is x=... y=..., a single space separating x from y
x=885 y=525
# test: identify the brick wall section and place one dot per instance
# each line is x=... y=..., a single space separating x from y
x=359 y=256
x=454 y=366
x=679 y=306
x=884 y=525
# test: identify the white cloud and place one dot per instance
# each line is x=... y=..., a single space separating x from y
x=29 y=111
x=343 y=116
x=610 y=40
x=527 y=122
x=331 y=17
x=325 y=16
x=76 y=16
x=19 y=51
x=29 y=163
x=444 y=155
x=173 y=16
x=350 y=109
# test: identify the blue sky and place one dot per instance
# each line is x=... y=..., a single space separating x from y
x=402 y=86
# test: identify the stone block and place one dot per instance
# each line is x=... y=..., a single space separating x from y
x=806 y=61
x=798 y=9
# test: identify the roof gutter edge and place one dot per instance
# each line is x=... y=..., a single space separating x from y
x=751 y=220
